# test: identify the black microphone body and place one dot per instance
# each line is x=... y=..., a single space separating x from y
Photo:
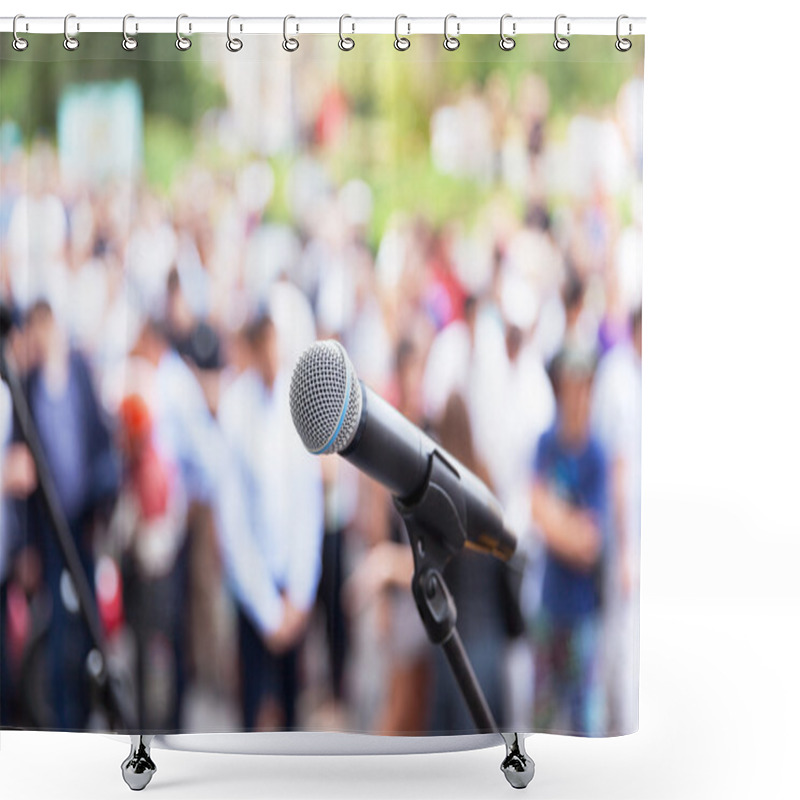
x=389 y=448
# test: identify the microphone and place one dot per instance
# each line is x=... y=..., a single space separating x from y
x=334 y=412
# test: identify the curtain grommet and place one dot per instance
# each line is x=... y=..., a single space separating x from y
x=401 y=43
x=346 y=43
x=70 y=42
x=183 y=43
x=507 y=42
x=290 y=44
x=18 y=43
x=451 y=43
x=561 y=43
x=129 y=43
x=234 y=44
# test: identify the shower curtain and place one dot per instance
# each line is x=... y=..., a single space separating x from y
x=176 y=228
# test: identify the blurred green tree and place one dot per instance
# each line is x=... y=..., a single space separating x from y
x=174 y=85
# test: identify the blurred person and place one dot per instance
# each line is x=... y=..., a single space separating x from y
x=461 y=136
x=151 y=251
x=293 y=318
x=148 y=528
x=77 y=444
x=330 y=123
x=19 y=574
x=401 y=272
x=279 y=548
x=194 y=230
x=37 y=234
x=194 y=339
x=366 y=338
x=274 y=249
x=188 y=436
x=184 y=427
x=533 y=99
x=17 y=578
x=617 y=423
x=524 y=403
x=573 y=296
x=498 y=99
x=524 y=409
x=11 y=164
x=445 y=297
x=466 y=357
x=385 y=575
x=629 y=110
x=331 y=255
x=93 y=275
x=340 y=482
x=623 y=281
x=568 y=506
x=485 y=595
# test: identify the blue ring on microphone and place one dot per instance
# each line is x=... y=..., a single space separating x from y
x=330 y=441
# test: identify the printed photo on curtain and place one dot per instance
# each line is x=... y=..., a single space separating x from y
x=286 y=332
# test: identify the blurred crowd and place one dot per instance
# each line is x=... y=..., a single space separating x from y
x=244 y=583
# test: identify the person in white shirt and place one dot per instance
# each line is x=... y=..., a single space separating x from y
x=274 y=560
x=467 y=357
x=617 y=423
x=36 y=238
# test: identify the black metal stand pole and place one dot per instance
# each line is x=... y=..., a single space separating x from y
x=121 y=705
x=435 y=525
x=470 y=688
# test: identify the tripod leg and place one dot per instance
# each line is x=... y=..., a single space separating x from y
x=517 y=766
x=138 y=768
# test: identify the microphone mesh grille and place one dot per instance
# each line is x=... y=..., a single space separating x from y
x=319 y=398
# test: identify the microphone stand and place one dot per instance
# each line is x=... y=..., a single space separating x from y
x=117 y=694
x=435 y=520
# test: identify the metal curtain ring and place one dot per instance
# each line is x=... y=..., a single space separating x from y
x=345 y=42
x=128 y=42
x=451 y=42
x=289 y=44
x=623 y=45
x=506 y=42
x=561 y=44
x=400 y=42
x=19 y=44
x=70 y=42
x=233 y=44
x=181 y=41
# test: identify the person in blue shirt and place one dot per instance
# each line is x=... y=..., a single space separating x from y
x=76 y=440
x=568 y=500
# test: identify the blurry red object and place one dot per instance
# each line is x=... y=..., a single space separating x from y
x=108 y=584
x=151 y=483
x=19 y=623
x=332 y=117
x=148 y=475
x=136 y=420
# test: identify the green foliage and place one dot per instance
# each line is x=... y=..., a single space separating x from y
x=31 y=82
x=168 y=149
